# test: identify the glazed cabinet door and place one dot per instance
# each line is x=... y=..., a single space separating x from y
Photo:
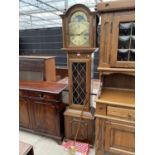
x=123 y=41
x=23 y=113
x=79 y=83
x=119 y=138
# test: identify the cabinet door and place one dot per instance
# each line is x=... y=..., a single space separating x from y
x=45 y=118
x=123 y=41
x=79 y=83
x=83 y=131
x=86 y=130
x=119 y=138
x=23 y=113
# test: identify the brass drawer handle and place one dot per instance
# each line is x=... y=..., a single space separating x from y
x=41 y=95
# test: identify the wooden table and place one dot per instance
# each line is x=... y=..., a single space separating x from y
x=25 y=149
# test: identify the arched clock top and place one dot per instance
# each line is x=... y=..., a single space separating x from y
x=79 y=27
x=77 y=7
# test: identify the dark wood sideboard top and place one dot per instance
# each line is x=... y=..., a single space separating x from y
x=42 y=86
x=35 y=57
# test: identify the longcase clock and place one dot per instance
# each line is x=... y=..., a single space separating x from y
x=79 y=41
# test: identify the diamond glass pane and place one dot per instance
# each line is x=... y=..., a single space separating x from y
x=79 y=83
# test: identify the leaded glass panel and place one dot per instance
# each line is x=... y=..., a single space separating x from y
x=78 y=82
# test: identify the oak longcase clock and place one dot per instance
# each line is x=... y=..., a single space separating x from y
x=79 y=41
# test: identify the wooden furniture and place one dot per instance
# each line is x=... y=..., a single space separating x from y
x=25 y=149
x=117 y=48
x=115 y=105
x=73 y=115
x=41 y=109
x=40 y=68
x=61 y=72
x=79 y=41
x=95 y=85
x=115 y=115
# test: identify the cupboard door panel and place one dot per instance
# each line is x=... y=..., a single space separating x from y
x=105 y=40
x=119 y=138
x=86 y=130
x=45 y=118
x=23 y=113
x=82 y=134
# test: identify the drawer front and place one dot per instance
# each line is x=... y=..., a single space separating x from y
x=24 y=93
x=121 y=112
x=21 y=93
x=34 y=94
x=27 y=93
x=100 y=108
x=39 y=95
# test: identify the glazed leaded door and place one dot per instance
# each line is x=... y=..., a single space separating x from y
x=123 y=41
x=79 y=83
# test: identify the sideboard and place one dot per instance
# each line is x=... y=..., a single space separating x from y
x=41 y=108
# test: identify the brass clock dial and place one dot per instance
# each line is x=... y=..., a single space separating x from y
x=79 y=29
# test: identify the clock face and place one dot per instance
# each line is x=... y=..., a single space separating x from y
x=79 y=29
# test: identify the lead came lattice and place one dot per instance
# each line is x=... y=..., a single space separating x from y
x=79 y=83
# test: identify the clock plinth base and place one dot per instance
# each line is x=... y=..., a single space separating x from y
x=87 y=126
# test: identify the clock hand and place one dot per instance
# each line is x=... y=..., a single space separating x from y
x=85 y=32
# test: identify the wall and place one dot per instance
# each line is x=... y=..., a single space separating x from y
x=47 y=41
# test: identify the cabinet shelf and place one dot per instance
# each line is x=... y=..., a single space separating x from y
x=117 y=97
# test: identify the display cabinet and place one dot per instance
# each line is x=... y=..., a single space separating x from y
x=115 y=105
x=123 y=41
x=117 y=43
